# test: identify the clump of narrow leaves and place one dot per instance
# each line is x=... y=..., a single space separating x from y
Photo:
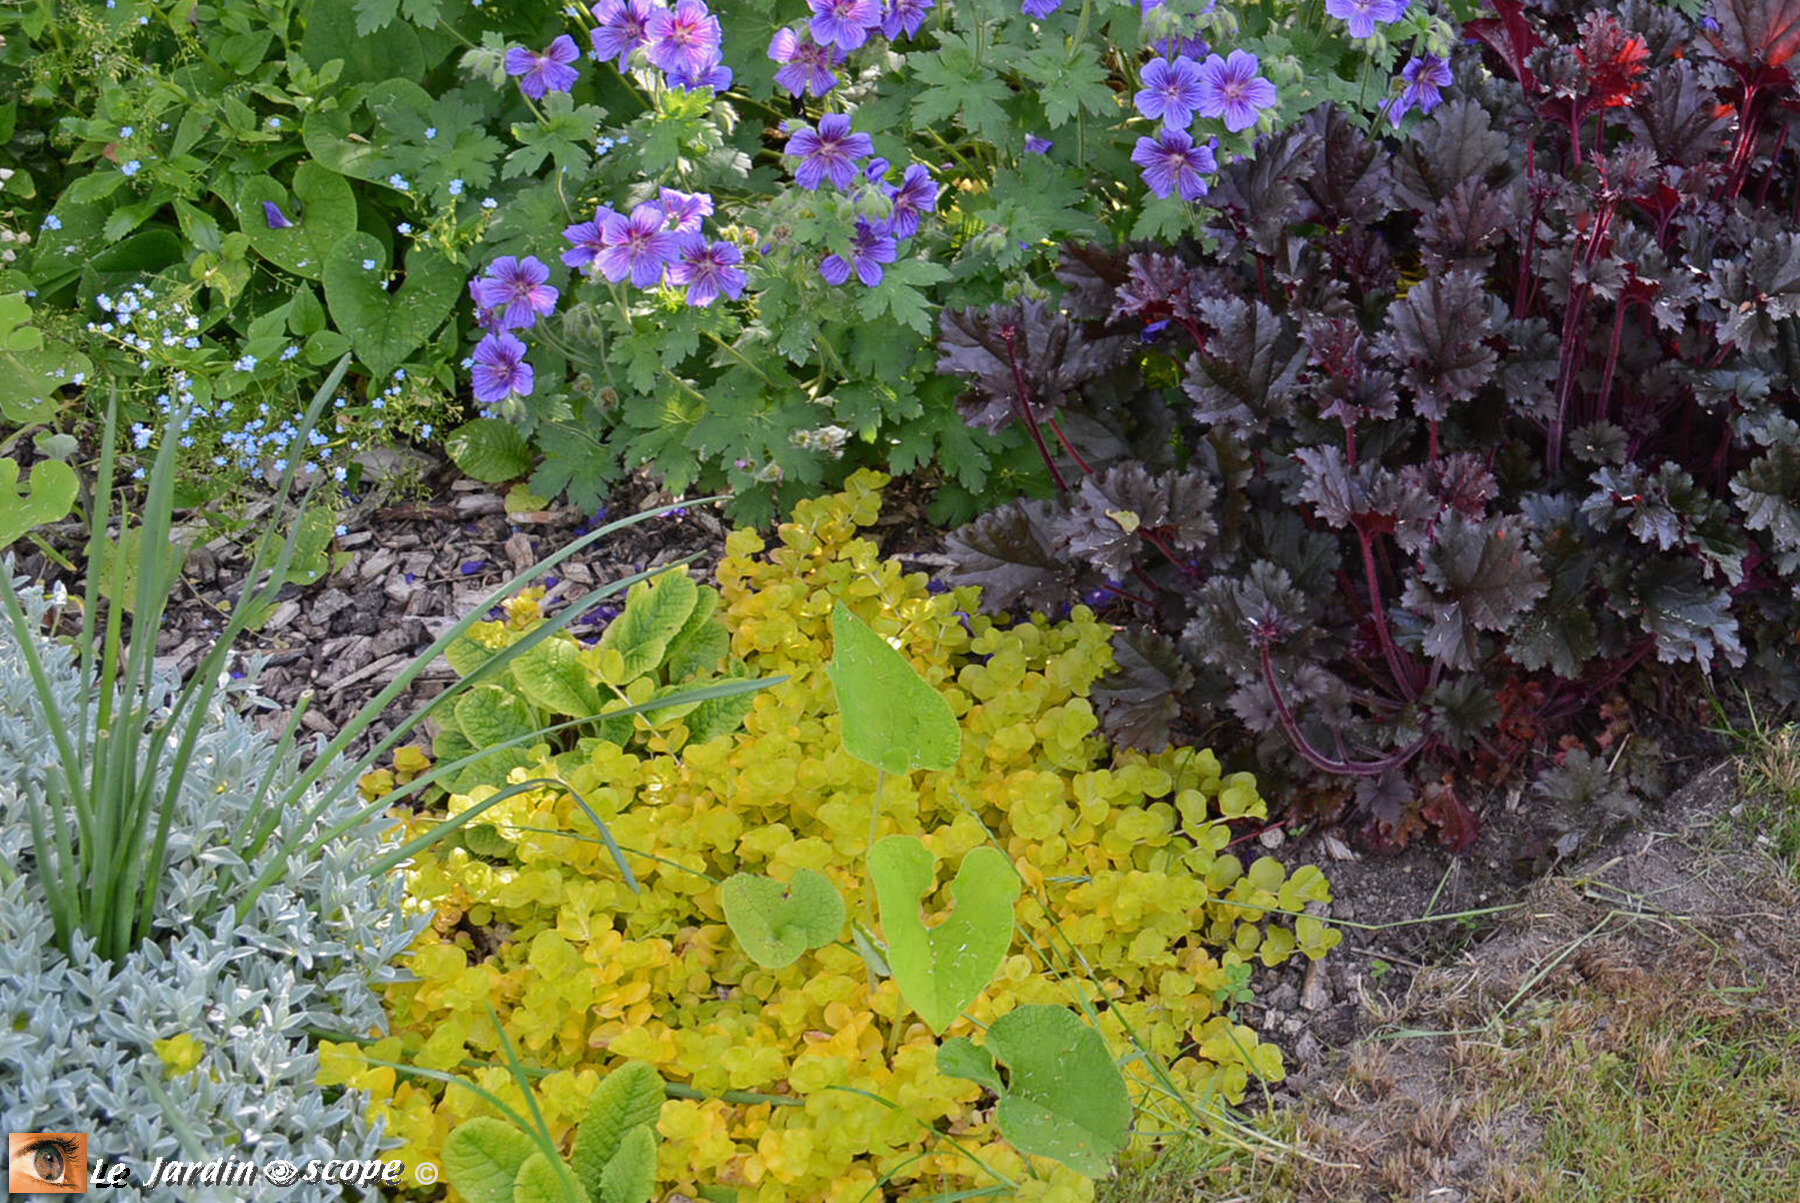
x=1439 y=438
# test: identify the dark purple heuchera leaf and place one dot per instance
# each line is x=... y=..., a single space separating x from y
x=1460 y=480
x=1140 y=697
x=1256 y=197
x=1666 y=510
x=1511 y=37
x=1004 y=344
x=1114 y=512
x=1559 y=637
x=1385 y=799
x=1462 y=231
x=1757 y=290
x=1457 y=143
x=1351 y=181
x=1234 y=618
x=1689 y=619
x=1341 y=378
x=1443 y=808
x=1435 y=333
x=1248 y=373
x=1371 y=498
x=1674 y=118
x=1156 y=288
x=1527 y=369
x=1768 y=490
x=1476 y=576
x=1009 y=553
x=1757 y=36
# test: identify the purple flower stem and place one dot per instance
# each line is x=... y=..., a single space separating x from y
x=1009 y=334
x=1316 y=758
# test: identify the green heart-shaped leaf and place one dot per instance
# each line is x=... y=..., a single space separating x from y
x=776 y=923
x=941 y=970
x=322 y=208
x=1064 y=1098
x=891 y=718
x=51 y=494
x=385 y=328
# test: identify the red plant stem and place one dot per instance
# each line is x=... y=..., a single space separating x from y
x=1056 y=428
x=1431 y=432
x=1571 y=347
x=1740 y=154
x=1022 y=406
x=1316 y=758
x=1378 y=612
x=1603 y=405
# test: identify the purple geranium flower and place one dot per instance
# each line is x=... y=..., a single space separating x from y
x=546 y=72
x=1424 y=77
x=623 y=27
x=904 y=17
x=843 y=23
x=914 y=195
x=275 y=217
x=707 y=269
x=637 y=246
x=1192 y=45
x=716 y=76
x=685 y=41
x=1172 y=91
x=500 y=369
x=1361 y=15
x=869 y=249
x=518 y=285
x=1035 y=145
x=806 y=64
x=586 y=239
x=1232 y=88
x=1172 y=163
x=1037 y=10
x=829 y=152
x=686 y=211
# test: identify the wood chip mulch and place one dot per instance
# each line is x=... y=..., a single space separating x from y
x=412 y=567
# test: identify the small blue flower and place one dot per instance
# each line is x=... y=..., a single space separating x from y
x=290 y=353
x=342 y=530
x=191 y=343
x=488 y=202
x=399 y=181
x=368 y=265
x=125 y=131
x=430 y=132
x=456 y=187
x=274 y=123
x=132 y=167
x=53 y=222
x=404 y=227
x=246 y=364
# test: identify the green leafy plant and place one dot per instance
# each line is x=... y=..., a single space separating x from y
x=101 y=837
x=614 y=1159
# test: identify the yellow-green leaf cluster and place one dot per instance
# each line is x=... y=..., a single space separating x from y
x=1126 y=849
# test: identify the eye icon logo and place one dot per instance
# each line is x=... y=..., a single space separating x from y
x=46 y=1163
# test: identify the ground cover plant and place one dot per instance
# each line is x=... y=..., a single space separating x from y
x=794 y=1007
x=1427 y=448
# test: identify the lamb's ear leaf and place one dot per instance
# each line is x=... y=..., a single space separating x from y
x=482 y=1157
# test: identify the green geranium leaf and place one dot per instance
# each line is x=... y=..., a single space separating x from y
x=941 y=970
x=1064 y=1098
x=489 y=449
x=482 y=1159
x=776 y=923
x=891 y=718
x=385 y=328
x=322 y=208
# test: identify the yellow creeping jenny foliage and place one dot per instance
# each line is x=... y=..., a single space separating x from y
x=1127 y=849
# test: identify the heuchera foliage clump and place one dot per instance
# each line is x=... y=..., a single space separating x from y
x=1435 y=441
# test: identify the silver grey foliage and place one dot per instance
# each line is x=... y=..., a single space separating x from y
x=76 y=1032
